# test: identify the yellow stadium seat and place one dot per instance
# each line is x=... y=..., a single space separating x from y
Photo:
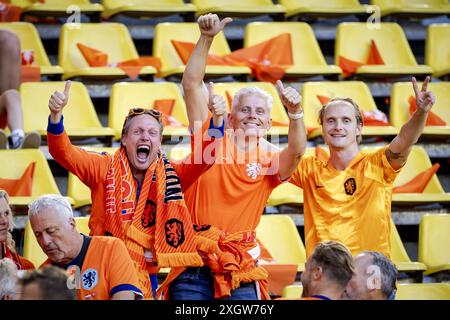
x=145 y=8
x=434 y=240
x=423 y=291
x=412 y=8
x=293 y=292
x=125 y=96
x=179 y=152
x=417 y=162
x=31 y=249
x=308 y=58
x=238 y=8
x=111 y=38
x=399 y=109
x=280 y=236
x=76 y=189
x=278 y=114
x=80 y=117
x=30 y=40
x=58 y=7
x=437 y=49
x=13 y=164
x=172 y=65
x=400 y=257
x=326 y=9
x=353 y=42
x=357 y=90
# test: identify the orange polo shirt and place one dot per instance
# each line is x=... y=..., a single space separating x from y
x=106 y=269
x=352 y=206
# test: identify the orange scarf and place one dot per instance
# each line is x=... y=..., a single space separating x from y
x=160 y=222
x=228 y=257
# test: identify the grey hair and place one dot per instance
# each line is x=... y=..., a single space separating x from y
x=46 y=201
x=8 y=278
x=252 y=90
x=388 y=272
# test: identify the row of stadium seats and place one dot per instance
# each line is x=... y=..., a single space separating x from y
x=43 y=181
x=238 y=8
x=82 y=122
x=353 y=42
x=279 y=235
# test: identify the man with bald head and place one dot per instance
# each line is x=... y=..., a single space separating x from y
x=101 y=266
x=348 y=197
x=374 y=278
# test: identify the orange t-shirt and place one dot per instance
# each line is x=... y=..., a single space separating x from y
x=21 y=262
x=107 y=268
x=352 y=206
x=233 y=193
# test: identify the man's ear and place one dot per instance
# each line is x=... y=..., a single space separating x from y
x=317 y=273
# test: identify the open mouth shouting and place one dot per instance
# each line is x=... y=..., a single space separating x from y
x=143 y=153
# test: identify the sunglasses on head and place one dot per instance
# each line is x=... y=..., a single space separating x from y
x=138 y=111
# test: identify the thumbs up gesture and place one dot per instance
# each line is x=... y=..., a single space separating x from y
x=217 y=105
x=57 y=102
x=290 y=98
x=210 y=25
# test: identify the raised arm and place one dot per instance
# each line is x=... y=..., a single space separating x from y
x=195 y=94
x=399 y=149
x=87 y=166
x=291 y=155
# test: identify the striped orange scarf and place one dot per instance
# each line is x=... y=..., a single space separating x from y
x=160 y=222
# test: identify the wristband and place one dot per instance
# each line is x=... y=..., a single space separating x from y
x=295 y=116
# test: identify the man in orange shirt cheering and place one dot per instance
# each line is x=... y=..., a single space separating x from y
x=348 y=198
x=137 y=194
x=227 y=201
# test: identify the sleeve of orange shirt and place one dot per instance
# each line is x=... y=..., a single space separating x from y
x=202 y=156
x=379 y=158
x=122 y=275
x=302 y=170
x=87 y=166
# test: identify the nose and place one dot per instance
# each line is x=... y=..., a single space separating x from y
x=45 y=239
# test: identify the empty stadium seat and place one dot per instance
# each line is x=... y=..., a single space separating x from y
x=280 y=125
x=423 y=291
x=145 y=8
x=279 y=234
x=412 y=8
x=58 y=7
x=171 y=63
x=417 y=162
x=356 y=90
x=76 y=189
x=434 y=240
x=353 y=41
x=324 y=9
x=125 y=96
x=307 y=56
x=30 y=40
x=31 y=249
x=293 y=291
x=13 y=164
x=238 y=8
x=399 y=108
x=400 y=257
x=437 y=49
x=110 y=38
x=80 y=118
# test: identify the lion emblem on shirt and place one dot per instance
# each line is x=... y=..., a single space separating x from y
x=148 y=217
x=253 y=170
x=350 y=186
x=174 y=232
